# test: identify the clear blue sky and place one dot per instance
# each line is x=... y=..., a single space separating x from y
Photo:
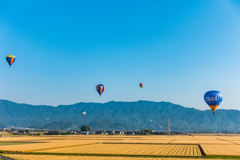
x=63 y=49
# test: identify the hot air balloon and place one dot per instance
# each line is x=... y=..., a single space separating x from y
x=83 y=113
x=213 y=99
x=10 y=59
x=100 y=88
x=141 y=85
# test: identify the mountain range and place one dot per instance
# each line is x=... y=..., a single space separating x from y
x=118 y=116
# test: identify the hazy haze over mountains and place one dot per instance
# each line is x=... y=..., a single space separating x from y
x=118 y=116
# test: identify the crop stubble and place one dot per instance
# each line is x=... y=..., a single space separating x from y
x=131 y=149
x=131 y=145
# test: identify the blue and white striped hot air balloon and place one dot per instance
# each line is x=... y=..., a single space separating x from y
x=83 y=113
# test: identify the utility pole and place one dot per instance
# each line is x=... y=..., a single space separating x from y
x=3 y=129
x=169 y=130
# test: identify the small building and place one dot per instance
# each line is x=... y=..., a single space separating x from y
x=21 y=132
x=119 y=132
x=129 y=132
x=111 y=132
x=99 y=132
x=85 y=132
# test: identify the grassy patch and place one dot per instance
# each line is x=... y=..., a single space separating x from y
x=13 y=143
x=222 y=157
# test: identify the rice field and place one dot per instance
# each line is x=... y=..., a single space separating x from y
x=131 y=149
x=121 y=145
x=46 y=144
x=223 y=150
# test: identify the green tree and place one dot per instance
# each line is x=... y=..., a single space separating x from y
x=27 y=131
x=85 y=128
x=146 y=131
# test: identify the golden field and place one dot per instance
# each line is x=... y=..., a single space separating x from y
x=223 y=150
x=122 y=145
x=131 y=149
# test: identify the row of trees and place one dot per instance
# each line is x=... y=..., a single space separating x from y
x=146 y=131
x=85 y=128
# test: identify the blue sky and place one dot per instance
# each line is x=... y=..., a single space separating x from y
x=178 y=49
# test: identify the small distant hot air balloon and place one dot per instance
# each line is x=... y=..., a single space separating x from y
x=83 y=113
x=10 y=59
x=141 y=85
x=213 y=99
x=100 y=88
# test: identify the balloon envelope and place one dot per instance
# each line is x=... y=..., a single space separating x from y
x=100 y=88
x=10 y=59
x=213 y=99
x=141 y=85
x=83 y=113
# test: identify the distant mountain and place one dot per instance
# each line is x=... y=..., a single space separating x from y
x=96 y=125
x=108 y=125
x=57 y=126
x=119 y=115
x=2 y=125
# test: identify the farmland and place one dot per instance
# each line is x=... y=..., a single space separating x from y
x=129 y=147
x=132 y=149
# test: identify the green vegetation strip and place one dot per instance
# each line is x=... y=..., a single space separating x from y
x=13 y=143
x=117 y=155
x=147 y=143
